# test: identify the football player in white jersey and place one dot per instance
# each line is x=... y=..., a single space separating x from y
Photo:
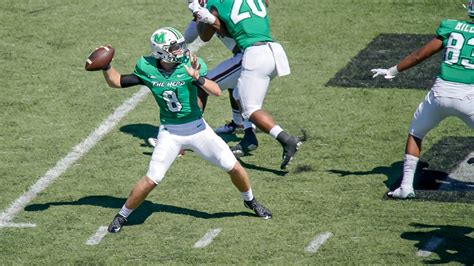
x=263 y=59
x=226 y=75
x=451 y=95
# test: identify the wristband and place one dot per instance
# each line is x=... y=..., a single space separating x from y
x=200 y=81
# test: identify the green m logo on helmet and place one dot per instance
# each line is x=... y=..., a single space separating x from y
x=160 y=38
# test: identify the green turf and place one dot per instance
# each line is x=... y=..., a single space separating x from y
x=49 y=104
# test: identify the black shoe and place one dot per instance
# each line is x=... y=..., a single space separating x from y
x=116 y=223
x=247 y=144
x=290 y=147
x=229 y=128
x=258 y=208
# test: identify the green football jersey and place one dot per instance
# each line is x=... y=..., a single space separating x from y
x=175 y=93
x=458 y=62
x=246 y=20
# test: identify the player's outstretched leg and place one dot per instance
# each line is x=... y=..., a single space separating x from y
x=240 y=179
x=139 y=192
x=410 y=161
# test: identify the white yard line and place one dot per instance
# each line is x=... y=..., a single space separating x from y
x=75 y=154
x=97 y=237
x=429 y=247
x=317 y=242
x=207 y=238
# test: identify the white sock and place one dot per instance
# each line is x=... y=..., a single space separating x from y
x=237 y=117
x=248 y=124
x=125 y=212
x=275 y=131
x=409 y=167
x=247 y=196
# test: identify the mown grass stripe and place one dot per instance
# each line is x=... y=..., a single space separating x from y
x=207 y=238
x=317 y=242
x=98 y=236
x=75 y=154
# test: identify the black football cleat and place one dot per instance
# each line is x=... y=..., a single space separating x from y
x=229 y=128
x=116 y=224
x=289 y=150
x=258 y=208
x=247 y=144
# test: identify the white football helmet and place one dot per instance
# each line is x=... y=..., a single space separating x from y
x=168 y=45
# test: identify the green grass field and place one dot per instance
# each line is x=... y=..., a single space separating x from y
x=49 y=104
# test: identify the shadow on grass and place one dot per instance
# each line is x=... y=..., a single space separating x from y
x=425 y=179
x=260 y=168
x=140 y=131
x=139 y=216
x=429 y=185
x=456 y=246
x=229 y=137
x=432 y=170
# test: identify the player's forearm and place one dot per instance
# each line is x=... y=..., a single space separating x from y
x=420 y=55
x=209 y=86
x=112 y=77
x=410 y=61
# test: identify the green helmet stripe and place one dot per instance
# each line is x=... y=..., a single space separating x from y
x=175 y=32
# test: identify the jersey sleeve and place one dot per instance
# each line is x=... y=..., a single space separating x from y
x=444 y=30
x=138 y=71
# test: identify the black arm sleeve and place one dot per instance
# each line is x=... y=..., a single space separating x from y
x=129 y=80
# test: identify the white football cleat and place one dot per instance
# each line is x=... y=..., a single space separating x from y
x=402 y=193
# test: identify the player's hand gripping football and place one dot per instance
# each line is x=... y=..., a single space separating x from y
x=386 y=73
x=193 y=71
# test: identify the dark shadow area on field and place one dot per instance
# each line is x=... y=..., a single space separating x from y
x=229 y=137
x=260 y=168
x=141 y=131
x=454 y=243
x=385 y=51
x=432 y=181
x=139 y=216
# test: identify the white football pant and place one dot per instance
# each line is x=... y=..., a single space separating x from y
x=227 y=72
x=197 y=136
x=259 y=65
x=434 y=109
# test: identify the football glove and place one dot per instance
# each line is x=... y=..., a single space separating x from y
x=193 y=5
x=386 y=73
x=204 y=15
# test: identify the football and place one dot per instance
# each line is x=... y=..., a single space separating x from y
x=100 y=58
